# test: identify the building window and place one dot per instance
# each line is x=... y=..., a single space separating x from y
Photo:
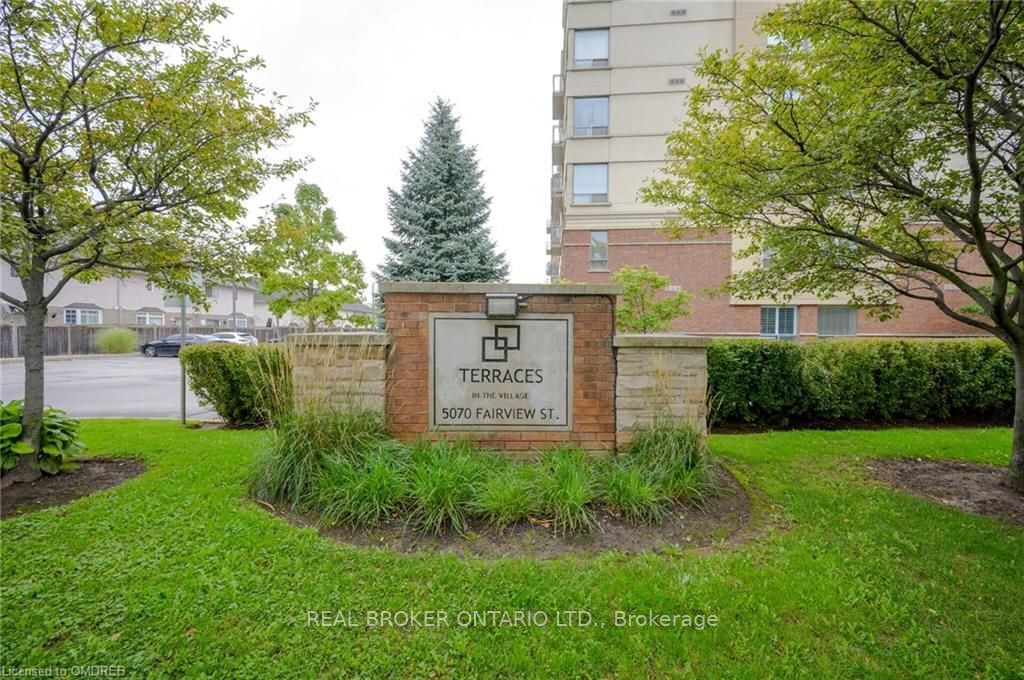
x=591 y=48
x=590 y=183
x=212 y=292
x=834 y=322
x=149 y=318
x=82 y=317
x=766 y=256
x=238 y=320
x=590 y=116
x=598 y=251
x=778 y=323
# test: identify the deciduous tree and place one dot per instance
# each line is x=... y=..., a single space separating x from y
x=302 y=271
x=875 y=148
x=644 y=309
x=129 y=140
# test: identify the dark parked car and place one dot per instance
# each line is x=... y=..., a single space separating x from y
x=169 y=346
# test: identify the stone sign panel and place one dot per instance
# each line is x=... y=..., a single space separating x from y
x=493 y=374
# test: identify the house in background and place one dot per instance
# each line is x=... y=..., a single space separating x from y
x=626 y=70
x=131 y=301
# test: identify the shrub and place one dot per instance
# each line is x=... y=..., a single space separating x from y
x=769 y=382
x=443 y=480
x=116 y=341
x=635 y=495
x=364 y=492
x=755 y=381
x=566 y=489
x=301 y=444
x=509 y=496
x=247 y=386
x=59 y=441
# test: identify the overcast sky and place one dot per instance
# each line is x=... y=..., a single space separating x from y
x=375 y=66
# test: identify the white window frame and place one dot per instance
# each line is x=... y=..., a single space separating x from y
x=147 y=318
x=584 y=199
x=593 y=130
x=238 y=320
x=73 y=316
x=600 y=62
x=852 y=311
x=598 y=265
x=777 y=335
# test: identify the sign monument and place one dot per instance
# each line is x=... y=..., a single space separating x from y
x=490 y=374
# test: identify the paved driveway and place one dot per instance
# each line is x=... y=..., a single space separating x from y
x=108 y=387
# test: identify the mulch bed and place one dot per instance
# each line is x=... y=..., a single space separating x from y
x=91 y=475
x=726 y=515
x=971 y=487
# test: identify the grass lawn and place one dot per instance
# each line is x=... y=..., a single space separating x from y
x=176 y=573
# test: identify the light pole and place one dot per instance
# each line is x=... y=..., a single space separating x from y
x=181 y=346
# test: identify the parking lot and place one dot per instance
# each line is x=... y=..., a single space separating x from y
x=108 y=387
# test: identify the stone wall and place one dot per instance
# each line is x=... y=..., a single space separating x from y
x=341 y=370
x=659 y=376
x=407 y=310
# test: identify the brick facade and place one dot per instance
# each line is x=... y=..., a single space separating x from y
x=700 y=263
x=593 y=405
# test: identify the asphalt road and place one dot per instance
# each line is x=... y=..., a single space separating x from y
x=109 y=387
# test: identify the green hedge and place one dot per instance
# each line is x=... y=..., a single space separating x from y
x=246 y=386
x=769 y=382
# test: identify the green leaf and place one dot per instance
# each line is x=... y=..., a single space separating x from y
x=49 y=465
x=22 y=448
x=10 y=430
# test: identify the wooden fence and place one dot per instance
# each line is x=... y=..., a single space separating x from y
x=58 y=340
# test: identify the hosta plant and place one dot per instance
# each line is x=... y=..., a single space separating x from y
x=60 y=438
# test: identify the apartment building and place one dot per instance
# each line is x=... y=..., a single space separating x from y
x=626 y=69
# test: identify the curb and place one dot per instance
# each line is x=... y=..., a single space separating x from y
x=71 y=357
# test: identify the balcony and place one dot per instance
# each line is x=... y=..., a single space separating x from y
x=556 y=183
x=557 y=97
x=557 y=144
x=555 y=241
x=553 y=268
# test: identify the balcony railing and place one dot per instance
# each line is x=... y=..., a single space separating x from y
x=557 y=97
x=558 y=133
x=556 y=184
x=553 y=268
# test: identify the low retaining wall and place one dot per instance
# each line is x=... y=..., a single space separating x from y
x=548 y=369
x=345 y=370
x=659 y=376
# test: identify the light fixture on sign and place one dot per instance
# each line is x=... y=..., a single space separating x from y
x=502 y=305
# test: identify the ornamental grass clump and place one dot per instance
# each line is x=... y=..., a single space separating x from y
x=567 y=488
x=508 y=497
x=301 y=444
x=635 y=495
x=675 y=457
x=444 y=478
x=116 y=341
x=362 y=493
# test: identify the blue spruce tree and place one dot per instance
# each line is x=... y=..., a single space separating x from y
x=439 y=215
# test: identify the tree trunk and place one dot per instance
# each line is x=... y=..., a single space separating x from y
x=32 y=417
x=1016 y=476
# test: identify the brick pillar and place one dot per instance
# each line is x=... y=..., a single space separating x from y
x=339 y=370
x=659 y=376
